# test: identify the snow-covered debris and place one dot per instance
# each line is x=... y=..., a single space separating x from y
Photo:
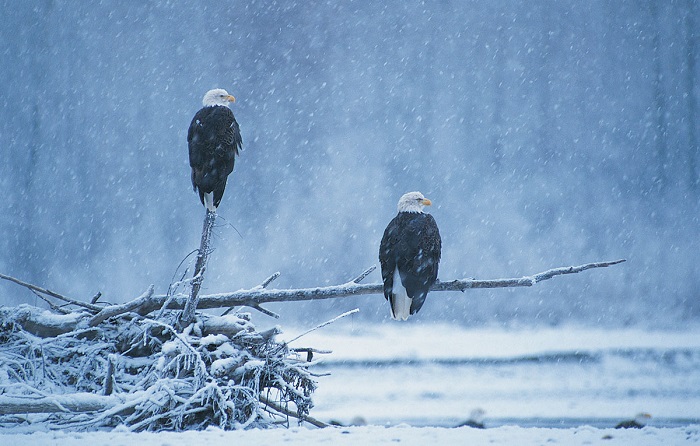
x=145 y=375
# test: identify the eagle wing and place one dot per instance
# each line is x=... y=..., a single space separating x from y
x=411 y=243
x=214 y=140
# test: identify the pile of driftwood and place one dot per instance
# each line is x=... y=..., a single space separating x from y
x=102 y=366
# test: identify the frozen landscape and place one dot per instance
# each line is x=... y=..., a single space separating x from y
x=558 y=377
x=414 y=384
x=545 y=134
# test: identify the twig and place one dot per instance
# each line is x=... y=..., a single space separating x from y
x=366 y=273
x=270 y=279
x=51 y=293
x=173 y=283
x=262 y=310
x=96 y=297
x=51 y=305
x=108 y=386
x=256 y=306
x=285 y=411
x=347 y=313
x=310 y=352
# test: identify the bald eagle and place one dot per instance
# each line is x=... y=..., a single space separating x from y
x=476 y=419
x=214 y=140
x=409 y=254
x=640 y=420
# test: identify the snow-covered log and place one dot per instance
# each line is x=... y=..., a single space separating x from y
x=257 y=296
x=39 y=322
x=76 y=403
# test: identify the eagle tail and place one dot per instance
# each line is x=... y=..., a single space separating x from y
x=209 y=201
x=400 y=303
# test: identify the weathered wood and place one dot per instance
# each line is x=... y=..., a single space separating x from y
x=285 y=411
x=39 y=322
x=43 y=326
x=47 y=292
x=76 y=402
x=259 y=296
x=465 y=284
x=188 y=312
x=116 y=310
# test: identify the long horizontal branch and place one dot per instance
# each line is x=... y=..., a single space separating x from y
x=46 y=324
x=259 y=296
x=465 y=284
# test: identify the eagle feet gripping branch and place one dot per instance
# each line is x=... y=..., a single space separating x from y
x=409 y=254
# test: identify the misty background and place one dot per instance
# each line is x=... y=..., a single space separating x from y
x=545 y=133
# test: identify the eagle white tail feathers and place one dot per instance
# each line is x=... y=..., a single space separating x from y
x=400 y=303
x=209 y=201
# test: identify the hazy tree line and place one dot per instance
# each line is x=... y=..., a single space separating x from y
x=546 y=133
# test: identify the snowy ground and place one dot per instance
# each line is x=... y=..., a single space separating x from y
x=369 y=435
x=435 y=375
x=411 y=383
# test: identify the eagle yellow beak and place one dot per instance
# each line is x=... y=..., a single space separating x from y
x=426 y=202
x=230 y=98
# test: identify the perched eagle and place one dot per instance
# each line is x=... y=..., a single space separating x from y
x=640 y=420
x=476 y=419
x=214 y=140
x=409 y=255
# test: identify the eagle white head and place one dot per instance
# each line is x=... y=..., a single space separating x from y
x=217 y=96
x=642 y=418
x=413 y=202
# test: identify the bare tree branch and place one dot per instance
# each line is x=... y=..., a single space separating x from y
x=188 y=313
x=255 y=297
x=270 y=279
x=51 y=293
x=256 y=306
x=464 y=284
x=347 y=313
x=260 y=296
x=366 y=273
x=284 y=411
x=116 y=310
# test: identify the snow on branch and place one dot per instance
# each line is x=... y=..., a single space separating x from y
x=92 y=372
x=257 y=296
x=465 y=284
x=76 y=402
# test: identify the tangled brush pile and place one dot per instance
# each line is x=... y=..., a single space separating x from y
x=68 y=372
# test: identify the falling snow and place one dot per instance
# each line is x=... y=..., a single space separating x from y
x=545 y=133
